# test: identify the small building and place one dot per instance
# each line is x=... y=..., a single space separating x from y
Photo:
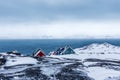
x=63 y=51
x=38 y=53
x=15 y=52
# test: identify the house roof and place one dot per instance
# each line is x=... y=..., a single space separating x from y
x=38 y=51
x=61 y=51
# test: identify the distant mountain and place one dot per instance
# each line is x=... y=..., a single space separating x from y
x=99 y=48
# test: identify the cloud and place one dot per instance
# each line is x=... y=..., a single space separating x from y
x=76 y=29
x=59 y=18
x=51 y=10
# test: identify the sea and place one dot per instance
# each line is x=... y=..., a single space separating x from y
x=27 y=46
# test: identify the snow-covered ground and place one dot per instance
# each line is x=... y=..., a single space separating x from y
x=100 y=51
x=20 y=60
x=92 y=62
x=99 y=73
x=97 y=51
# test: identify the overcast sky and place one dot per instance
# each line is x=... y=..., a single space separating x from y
x=22 y=19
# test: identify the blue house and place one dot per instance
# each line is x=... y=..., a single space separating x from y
x=63 y=51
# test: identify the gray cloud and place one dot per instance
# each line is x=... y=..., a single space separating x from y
x=53 y=18
x=50 y=10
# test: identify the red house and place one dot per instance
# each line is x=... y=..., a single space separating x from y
x=38 y=53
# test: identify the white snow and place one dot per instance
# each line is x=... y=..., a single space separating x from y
x=89 y=63
x=16 y=78
x=86 y=56
x=99 y=73
x=103 y=51
x=99 y=51
x=12 y=70
x=20 y=60
x=98 y=48
x=50 y=70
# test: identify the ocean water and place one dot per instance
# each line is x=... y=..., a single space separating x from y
x=27 y=46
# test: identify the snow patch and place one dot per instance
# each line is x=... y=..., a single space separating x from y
x=99 y=73
x=20 y=60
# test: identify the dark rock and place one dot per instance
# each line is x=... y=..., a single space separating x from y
x=3 y=77
x=35 y=73
x=68 y=73
x=2 y=61
x=18 y=54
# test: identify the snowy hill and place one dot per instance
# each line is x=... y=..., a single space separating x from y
x=92 y=62
x=95 y=50
x=99 y=48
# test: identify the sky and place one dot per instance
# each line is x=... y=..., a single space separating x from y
x=48 y=19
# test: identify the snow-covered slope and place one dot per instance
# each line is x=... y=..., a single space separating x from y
x=99 y=51
x=13 y=60
x=99 y=48
x=92 y=62
x=20 y=60
x=101 y=61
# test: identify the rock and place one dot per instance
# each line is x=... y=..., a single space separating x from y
x=2 y=77
x=68 y=73
x=35 y=73
x=2 y=61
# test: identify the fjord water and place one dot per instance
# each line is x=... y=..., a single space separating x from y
x=27 y=46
